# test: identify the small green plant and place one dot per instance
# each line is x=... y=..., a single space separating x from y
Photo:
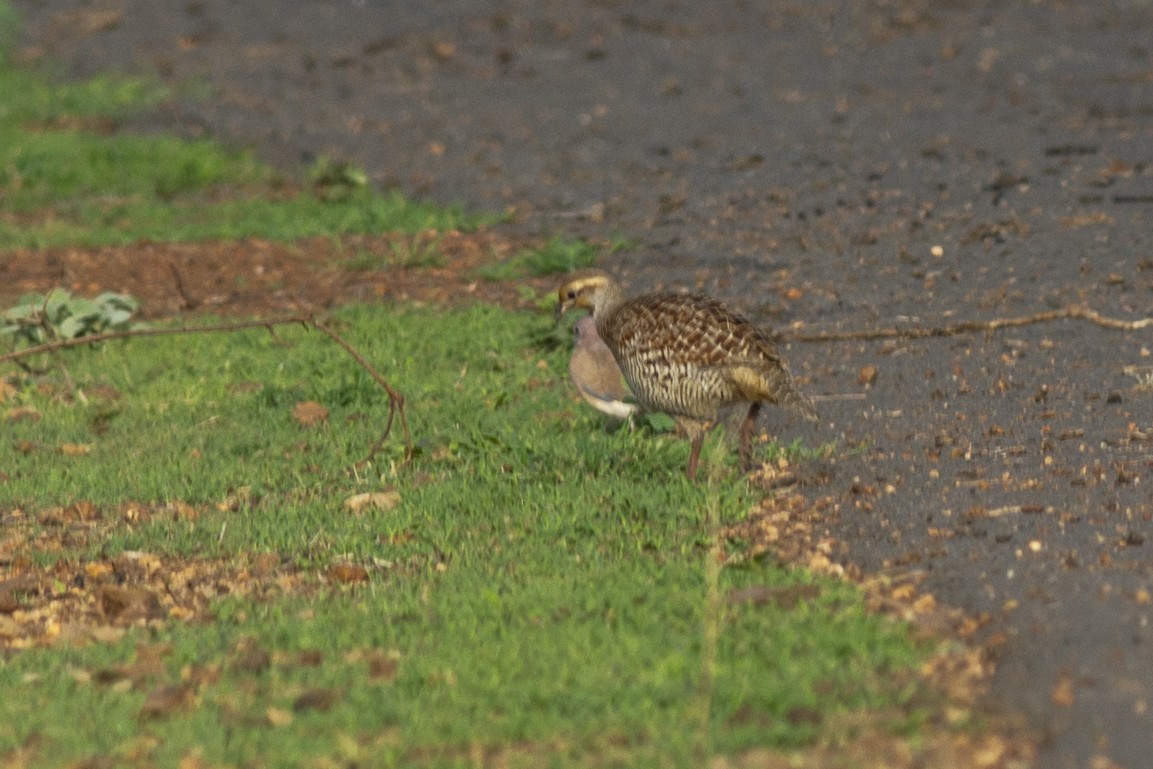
x=619 y=242
x=40 y=318
x=416 y=251
x=560 y=256
x=337 y=181
x=555 y=257
x=401 y=252
x=1143 y=375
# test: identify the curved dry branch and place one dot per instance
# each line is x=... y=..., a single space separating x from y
x=63 y=344
x=395 y=399
x=1074 y=312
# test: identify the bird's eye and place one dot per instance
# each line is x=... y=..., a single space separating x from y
x=571 y=294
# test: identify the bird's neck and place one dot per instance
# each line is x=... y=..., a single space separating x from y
x=607 y=300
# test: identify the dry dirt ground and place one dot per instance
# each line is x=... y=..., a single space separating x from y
x=262 y=278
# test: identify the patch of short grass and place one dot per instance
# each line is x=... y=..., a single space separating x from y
x=123 y=222
x=9 y=30
x=584 y=666
x=544 y=593
x=559 y=255
x=413 y=252
x=68 y=176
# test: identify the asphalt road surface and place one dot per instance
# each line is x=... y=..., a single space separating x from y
x=846 y=165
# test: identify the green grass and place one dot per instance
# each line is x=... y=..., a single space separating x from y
x=67 y=178
x=9 y=31
x=555 y=257
x=544 y=585
x=123 y=222
x=403 y=253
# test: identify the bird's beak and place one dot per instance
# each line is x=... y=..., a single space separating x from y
x=558 y=313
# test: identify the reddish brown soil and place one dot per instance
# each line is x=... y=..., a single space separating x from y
x=262 y=278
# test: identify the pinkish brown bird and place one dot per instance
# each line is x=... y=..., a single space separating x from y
x=595 y=372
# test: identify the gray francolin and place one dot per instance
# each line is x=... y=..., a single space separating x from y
x=686 y=355
x=595 y=372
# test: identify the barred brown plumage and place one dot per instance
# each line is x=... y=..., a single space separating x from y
x=686 y=355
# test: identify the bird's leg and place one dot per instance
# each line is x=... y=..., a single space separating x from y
x=694 y=454
x=696 y=435
x=747 y=433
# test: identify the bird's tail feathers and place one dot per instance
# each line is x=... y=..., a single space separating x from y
x=773 y=384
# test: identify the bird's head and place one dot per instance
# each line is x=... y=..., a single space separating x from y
x=594 y=291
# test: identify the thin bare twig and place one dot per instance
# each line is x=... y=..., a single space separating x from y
x=1074 y=312
x=395 y=399
x=63 y=344
x=190 y=302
